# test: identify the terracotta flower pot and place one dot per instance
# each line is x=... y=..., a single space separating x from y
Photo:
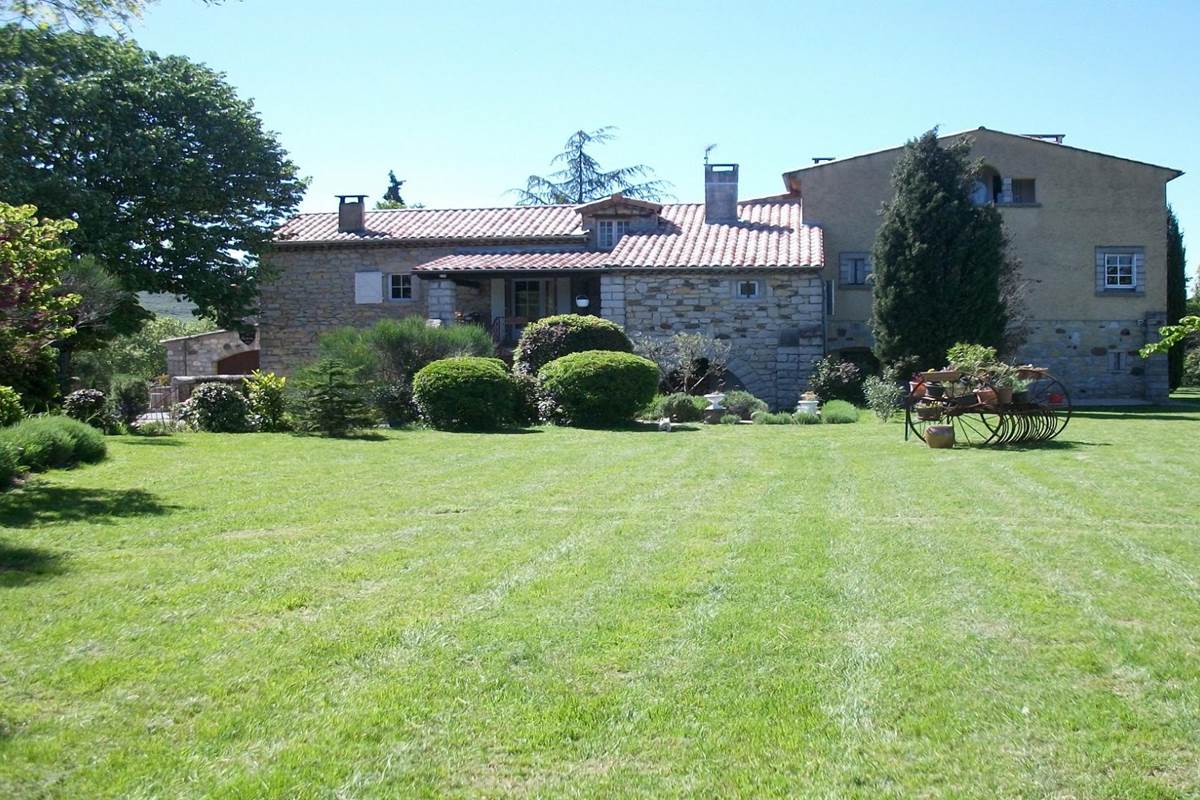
x=938 y=376
x=1004 y=394
x=939 y=436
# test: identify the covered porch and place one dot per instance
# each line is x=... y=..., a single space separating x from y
x=506 y=303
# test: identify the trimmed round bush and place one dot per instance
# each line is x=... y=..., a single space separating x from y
x=87 y=405
x=468 y=393
x=218 y=408
x=730 y=419
x=834 y=379
x=838 y=411
x=743 y=403
x=49 y=442
x=599 y=388
x=680 y=407
x=550 y=338
x=11 y=411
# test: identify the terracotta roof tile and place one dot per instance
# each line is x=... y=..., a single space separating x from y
x=768 y=234
x=438 y=224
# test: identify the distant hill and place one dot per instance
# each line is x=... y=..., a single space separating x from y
x=167 y=305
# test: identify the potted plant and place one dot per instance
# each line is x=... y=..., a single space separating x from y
x=1020 y=390
x=1004 y=380
x=928 y=412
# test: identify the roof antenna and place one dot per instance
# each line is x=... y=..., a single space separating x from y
x=708 y=150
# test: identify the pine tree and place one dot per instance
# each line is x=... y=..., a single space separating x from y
x=940 y=265
x=581 y=179
x=1176 y=293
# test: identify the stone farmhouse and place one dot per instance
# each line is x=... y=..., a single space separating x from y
x=784 y=278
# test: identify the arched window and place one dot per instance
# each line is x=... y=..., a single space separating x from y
x=987 y=187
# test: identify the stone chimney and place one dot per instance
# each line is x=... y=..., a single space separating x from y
x=720 y=192
x=352 y=213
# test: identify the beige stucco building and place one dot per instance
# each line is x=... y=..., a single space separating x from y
x=784 y=278
x=1089 y=229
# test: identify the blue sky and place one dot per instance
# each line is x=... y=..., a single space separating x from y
x=464 y=100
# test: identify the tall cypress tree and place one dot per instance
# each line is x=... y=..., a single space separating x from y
x=940 y=261
x=1176 y=293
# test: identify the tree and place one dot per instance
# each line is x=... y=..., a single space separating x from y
x=1172 y=336
x=581 y=180
x=1177 y=300
x=941 y=274
x=71 y=13
x=174 y=183
x=391 y=197
x=105 y=311
x=140 y=353
x=33 y=313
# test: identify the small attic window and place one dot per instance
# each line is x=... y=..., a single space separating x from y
x=609 y=232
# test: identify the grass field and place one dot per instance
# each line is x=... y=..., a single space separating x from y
x=822 y=611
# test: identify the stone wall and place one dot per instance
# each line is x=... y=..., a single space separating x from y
x=1099 y=360
x=775 y=337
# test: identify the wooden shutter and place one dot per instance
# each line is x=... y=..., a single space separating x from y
x=1100 y=270
x=1139 y=271
x=368 y=287
x=845 y=269
x=1006 y=195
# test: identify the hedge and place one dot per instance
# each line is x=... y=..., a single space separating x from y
x=466 y=393
x=550 y=338
x=49 y=442
x=599 y=388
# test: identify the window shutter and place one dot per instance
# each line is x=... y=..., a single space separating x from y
x=1099 y=270
x=368 y=287
x=1139 y=271
x=1006 y=195
x=845 y=271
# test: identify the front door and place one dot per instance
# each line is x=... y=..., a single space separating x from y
x=529 y=303
x=529 y=299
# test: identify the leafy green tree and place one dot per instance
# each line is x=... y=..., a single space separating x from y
x=581 y=179
x=1177 y=300
x=73 y=13
x=105 y=311
x=140 y=353
x=1173 y=336
x=940 y=263
x=33 y=312
x=174 y=183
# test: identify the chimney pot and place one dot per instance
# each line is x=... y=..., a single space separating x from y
x=720 y=192
x=352 y=213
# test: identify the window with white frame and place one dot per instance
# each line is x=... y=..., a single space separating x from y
x=400 y=287
x=1119 y=271
x=747 y=290
x=854 y=269
x=609 y=232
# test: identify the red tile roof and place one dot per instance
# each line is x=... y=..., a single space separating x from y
x=438 y=225
x=768 y=234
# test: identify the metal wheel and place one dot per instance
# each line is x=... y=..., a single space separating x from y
x=973 y=425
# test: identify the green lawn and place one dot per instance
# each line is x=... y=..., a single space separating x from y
x=823 y=611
